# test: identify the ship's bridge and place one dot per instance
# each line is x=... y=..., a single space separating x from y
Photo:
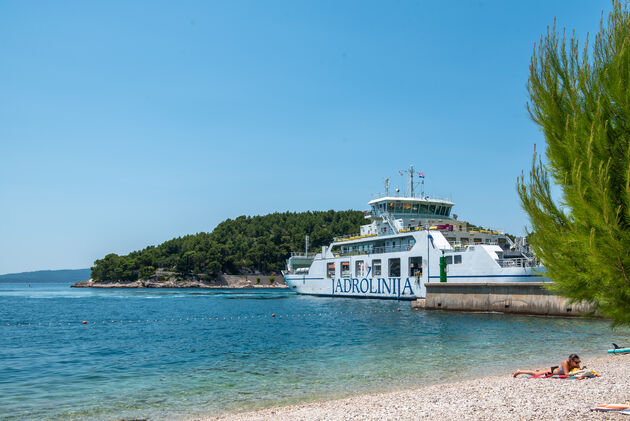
x=410 y=207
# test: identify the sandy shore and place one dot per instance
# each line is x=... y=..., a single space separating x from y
x=489 y=398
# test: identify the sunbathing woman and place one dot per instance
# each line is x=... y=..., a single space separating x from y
x=564 y=368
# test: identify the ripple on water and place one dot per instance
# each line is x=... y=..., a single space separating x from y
x=169 y=353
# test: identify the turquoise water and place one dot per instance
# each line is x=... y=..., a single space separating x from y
x=181 y=353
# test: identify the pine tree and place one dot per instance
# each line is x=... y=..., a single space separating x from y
x=580 y=98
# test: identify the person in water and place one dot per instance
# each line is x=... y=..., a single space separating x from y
x=564 y=368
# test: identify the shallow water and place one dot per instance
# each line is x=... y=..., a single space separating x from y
x=179 y=353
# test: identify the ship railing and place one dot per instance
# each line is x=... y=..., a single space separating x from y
x=346 y=237
x=482 y=231
x=353 y=237
x=457 y=248
x=358 y=236
x=388 y=218
x=520 y=262
x=373 y=250
x=401 y=195
x=303 y=254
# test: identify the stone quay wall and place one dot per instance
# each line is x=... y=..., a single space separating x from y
x=504 y=297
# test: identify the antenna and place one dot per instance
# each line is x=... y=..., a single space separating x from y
x=386 y=186
x=306 y=246
x=411 y=173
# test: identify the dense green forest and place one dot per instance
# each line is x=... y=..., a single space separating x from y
x=244 y=244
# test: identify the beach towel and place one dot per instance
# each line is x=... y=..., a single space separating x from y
x=573 y=375
x=576 y=372
x=618 y=408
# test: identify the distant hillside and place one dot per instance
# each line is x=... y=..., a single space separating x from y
x=47 y=276
x=247 y=244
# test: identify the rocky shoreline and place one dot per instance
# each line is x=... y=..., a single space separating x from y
x=224 y=281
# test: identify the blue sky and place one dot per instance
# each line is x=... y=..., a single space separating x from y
x=125 y=124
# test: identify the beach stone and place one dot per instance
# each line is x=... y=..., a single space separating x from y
x=488 y=398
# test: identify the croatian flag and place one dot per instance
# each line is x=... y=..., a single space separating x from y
x=420 y=175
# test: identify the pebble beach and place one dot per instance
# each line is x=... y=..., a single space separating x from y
x=488 y=398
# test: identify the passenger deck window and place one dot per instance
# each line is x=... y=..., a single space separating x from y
x=345 y=269
x=449 y=260
x=394 y=267
x=358 y=268
x=415 y=266
x=376 y=267
x=330 y=270
x=457 y=259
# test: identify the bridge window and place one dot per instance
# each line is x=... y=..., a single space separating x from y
x=449 y=260
x=376 y=267
x=330 y=270
x=345 y=269
x=457 y=259
x=394 y=267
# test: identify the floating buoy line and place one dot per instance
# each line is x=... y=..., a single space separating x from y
x=87 y=322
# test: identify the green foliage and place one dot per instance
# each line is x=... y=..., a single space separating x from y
x=272 y=279
x=258 y=280
x=146 y=272
x=115 y=267
x=245 y=244
x=583 y=108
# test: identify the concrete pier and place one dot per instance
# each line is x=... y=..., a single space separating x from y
x=505 y=297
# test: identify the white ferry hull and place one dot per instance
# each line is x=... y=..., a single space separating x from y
x=478 y=264
x=390 y=288
x=382 y=288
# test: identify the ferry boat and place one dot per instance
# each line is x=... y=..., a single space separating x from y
x=408 y=242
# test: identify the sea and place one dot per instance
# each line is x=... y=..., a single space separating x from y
x=163 y=354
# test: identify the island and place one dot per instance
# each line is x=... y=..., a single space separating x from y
x=246 y=252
